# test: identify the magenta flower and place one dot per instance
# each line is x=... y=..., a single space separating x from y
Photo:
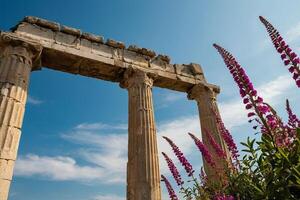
x=219 y=151
x=227 y=137
x=223 y=197
x=171 y=192
x=250 y=97
x=289 y=58
x=182 y=159
x=204 y=151
x=173 y=169
x=293 y=122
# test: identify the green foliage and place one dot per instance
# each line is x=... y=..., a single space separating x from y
x=267 y=171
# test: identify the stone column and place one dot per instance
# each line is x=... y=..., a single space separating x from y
x=16 y=59
x=205 y=96
x=143 y=176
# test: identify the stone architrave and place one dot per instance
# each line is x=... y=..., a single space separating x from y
x=205 y=96
x=16 y=64
x=143 y=176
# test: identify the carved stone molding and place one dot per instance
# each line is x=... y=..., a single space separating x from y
x=134 y=77
x=203 y=92
x=29 y=53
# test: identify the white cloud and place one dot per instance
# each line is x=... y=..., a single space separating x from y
x=233 y=111
x=100 y=126
x=293 y=33
x=59 y=168
x=108 y=197
x=33 y=100
x=177 y=131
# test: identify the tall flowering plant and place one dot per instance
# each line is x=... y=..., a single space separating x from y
x=270 y=167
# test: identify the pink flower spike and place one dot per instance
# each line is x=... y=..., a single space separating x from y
x=250 y=114
x=291 y=69
x=246 y=100
x=283 y=56
x=219 y=151
x=287 y=55
x=248 y=106
x=298 y=83
x=182 y=159
x=204 y=151
x=173 y=169
x=293 y=119
x=287 y=62
x=171 y=191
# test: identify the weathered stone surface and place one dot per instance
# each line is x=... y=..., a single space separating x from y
x=160 y=62
x=16 y=61
x=143 y=51
x=43 y=23
x=71 y=31
x=93 y=38
x=143 y=177
x=116 y=44
x=6 y=170
x=4 y=185
x=67 y=50
x=205 y=96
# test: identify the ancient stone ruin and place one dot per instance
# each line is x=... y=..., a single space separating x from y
x=35 y=43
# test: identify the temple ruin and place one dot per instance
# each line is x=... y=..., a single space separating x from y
x=35 y=43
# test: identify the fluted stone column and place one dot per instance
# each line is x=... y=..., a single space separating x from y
x=205 y=97
x=16 y=59
x=143 y=177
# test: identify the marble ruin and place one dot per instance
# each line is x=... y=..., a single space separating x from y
x=35 y=43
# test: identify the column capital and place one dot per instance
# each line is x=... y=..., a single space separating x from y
x=29 y=52
x=135 y=77
x=202 y=91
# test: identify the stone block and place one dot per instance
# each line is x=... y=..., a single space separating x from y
x=136 y=59
x=35 y=31
x=11 y=112
x=12 y=91
x=4 y=185
x=93 y=38
x=70 y=30
x=115 y=44
x=143 y=51
x=102 y=50
x=67 y=40
x=6 y=169
x=9 y=142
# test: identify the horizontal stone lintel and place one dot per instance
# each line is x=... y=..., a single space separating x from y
x=77 y=54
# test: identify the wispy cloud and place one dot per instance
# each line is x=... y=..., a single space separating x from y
x=58 y=168
x=33 y=100
x=291 y=36
x=166 y=98
x=100 y=126
x=293 y=33
x=233 y=111
x=108 y=197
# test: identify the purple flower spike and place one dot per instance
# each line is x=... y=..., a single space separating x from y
x=173 y=169
x=227 y=137
x=204 y=151
x=293 y=122
x=290 y=58
x=171 y=192
x=247 y=90
x=219 y=151
x=223 y=197
x=184 y=162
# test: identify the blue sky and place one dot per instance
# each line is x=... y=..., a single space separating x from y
x=74 y=136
